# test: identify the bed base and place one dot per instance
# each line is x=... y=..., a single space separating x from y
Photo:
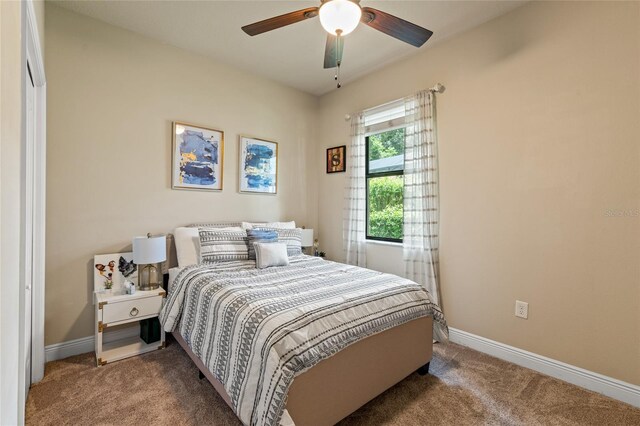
x=339 y=385
x=424 y=370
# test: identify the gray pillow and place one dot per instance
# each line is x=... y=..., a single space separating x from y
x=220 y=246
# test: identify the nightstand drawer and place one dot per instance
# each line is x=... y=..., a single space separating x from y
x=131 y=309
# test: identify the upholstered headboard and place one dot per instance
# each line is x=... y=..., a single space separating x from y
x=172 y=257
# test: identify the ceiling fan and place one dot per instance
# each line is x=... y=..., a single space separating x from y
x=339 y=18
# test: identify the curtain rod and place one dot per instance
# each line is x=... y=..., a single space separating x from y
x=438 y=88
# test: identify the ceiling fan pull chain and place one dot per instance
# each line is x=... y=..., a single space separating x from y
x=338 y=85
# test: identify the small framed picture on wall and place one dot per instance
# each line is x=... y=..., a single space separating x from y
x=337 y=159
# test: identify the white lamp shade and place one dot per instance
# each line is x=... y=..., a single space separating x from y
x=147 y=250
x=343 y=15
x=307 y=237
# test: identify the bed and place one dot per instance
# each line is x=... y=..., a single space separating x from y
x=303 y=344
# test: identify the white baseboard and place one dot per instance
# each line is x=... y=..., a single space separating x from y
x=69 y=348
x=85 y=344
x=617 y=389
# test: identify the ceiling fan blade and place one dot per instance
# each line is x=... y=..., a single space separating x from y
x=333 y=51
x=280 y=21
x=395 y=27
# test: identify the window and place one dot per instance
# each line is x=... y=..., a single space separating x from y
x=385 y=131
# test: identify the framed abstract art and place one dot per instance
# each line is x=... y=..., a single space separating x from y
x=336 y=159
x=258 y=168
x=198 y=157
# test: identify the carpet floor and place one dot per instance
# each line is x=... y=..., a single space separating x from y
x=465 y=387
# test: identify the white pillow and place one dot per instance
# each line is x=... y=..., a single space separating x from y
x=188 y=244
x=279 y=225
x=271 y=254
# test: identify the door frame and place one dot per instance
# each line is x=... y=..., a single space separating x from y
x=32 y=52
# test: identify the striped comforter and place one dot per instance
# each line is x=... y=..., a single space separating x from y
x=256 y=329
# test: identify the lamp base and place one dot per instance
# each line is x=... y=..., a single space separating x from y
x=145 y=277
x=150 y=286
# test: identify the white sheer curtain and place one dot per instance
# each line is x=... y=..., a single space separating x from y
x=354 y=221
x=421 y=204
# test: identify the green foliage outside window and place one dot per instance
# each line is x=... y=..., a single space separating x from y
x=385 y=196
x=384 y=192
x=387 y=144
x=386 y=207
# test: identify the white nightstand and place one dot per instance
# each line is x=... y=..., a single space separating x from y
x=115 y=310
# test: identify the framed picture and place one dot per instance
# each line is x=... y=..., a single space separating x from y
x=198 y=157
x=258 y=167
x=337 y=159
x=111 y=270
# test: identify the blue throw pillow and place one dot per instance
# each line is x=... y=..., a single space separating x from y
x=260 y=236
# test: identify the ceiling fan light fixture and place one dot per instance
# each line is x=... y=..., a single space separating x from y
x=340 y=16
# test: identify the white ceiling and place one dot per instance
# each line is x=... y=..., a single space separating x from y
x=292 y=55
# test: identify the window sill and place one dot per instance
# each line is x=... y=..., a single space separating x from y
x=384 y=243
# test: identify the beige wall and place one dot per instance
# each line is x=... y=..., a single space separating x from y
x=10 y=221
x=112 y=96
x=539 y=138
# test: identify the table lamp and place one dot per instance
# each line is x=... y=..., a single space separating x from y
x=149 y=251
x=307 y=238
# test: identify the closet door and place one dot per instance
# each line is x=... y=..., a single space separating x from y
x=28 y=217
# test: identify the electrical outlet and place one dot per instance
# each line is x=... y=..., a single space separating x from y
x=522 y=309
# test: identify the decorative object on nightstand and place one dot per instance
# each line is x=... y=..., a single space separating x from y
x=307 y=238
x=149 y=251
x=316 y=249
x=111 y=271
